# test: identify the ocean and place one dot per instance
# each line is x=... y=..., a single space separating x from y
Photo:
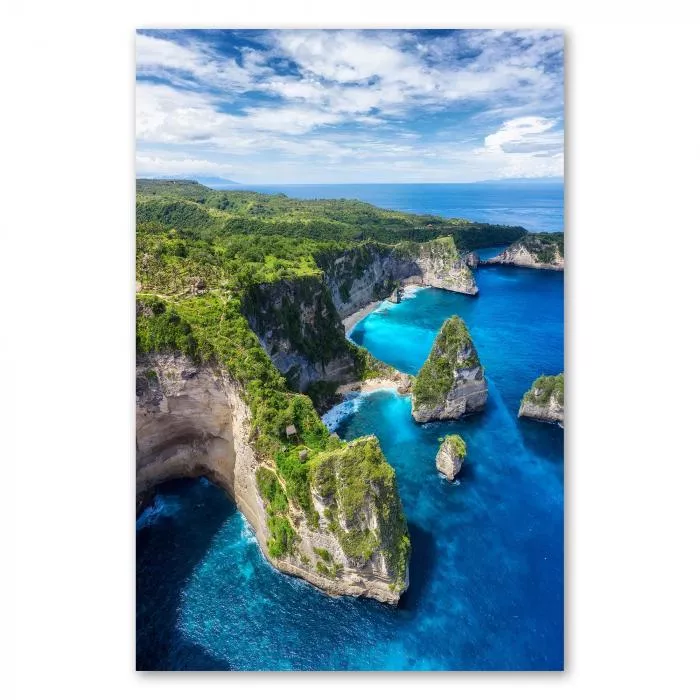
x=487 y=569
x=536 y=205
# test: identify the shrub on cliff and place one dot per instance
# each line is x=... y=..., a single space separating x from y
x=436 y=376
x=545 y=387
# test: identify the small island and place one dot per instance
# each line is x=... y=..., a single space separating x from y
x=450 y=456
x=451 y=383
x=545 y=400
x=543 y=251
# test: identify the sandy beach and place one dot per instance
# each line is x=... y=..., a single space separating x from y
x=371 y=385
x=353 y=319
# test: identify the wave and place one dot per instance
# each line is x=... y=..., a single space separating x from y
x=340 y=412
x=411 y=290
x=161 y=507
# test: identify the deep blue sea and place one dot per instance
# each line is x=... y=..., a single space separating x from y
x=487 y=567
x=538 y=206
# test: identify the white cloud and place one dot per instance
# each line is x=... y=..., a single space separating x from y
x=356 y=109
x=191 y=64
x=524 y=134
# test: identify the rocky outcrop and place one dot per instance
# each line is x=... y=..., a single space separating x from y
x=450 y=456
x=192 y=420
x=371 y=271
x=451 y=383
x=300 y=329
x=540 y=251
x=545 y=400
x=472 y=259
x=396 y=296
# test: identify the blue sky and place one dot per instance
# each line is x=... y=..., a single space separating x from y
x=348 y=106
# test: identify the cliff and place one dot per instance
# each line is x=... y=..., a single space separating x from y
x=540 y=251
x=300 y=329
x=451 y=383
x=450 y=456
x=328 y=512
x=371 y=271
x=545 y=400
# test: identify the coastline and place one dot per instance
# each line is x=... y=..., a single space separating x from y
x=375 y=384
x=349 y=322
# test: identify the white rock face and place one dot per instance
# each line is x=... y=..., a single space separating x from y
x=524 y=254
x=468 y=394
x=448 y=462
x=550 y=412
x=192 y=421
x=355 y=283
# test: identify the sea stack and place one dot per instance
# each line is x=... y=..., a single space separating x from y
x=450 y=456
x=451 y=383
x=545 y=400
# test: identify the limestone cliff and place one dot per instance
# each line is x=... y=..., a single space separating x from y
x=300 y=329
x=541 y=251
x=450 y=456
x=348 y=536
x=371 y=271
x=545 y=400
x=451 y=383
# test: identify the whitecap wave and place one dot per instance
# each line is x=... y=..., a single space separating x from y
x=161 y=507
x=247 y=532
x=411 y=291
x=336 y=415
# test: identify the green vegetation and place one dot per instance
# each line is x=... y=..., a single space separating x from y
x=282 y=536
x=215 y=267
x=544 y=387
x=357 y=478
x=456 y=445
x=367 y=366
x=323 y=553
x=453 y=349
x=186 y=205
x=544 y=246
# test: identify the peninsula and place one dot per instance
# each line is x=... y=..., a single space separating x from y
x=239 y=310
x=543 y=251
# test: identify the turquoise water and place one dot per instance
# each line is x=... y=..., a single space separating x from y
x=537 y=205
x=487 y=566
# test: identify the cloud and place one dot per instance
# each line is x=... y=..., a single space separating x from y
x=353 y=104
x=524 y=134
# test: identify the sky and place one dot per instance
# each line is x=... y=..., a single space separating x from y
x=349 y=106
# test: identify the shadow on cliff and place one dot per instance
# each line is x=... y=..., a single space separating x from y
x=421 y=568
x=168 y=549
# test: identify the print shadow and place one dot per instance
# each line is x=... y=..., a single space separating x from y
x=160 y=646
x=421 y=567
x=545 y=440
